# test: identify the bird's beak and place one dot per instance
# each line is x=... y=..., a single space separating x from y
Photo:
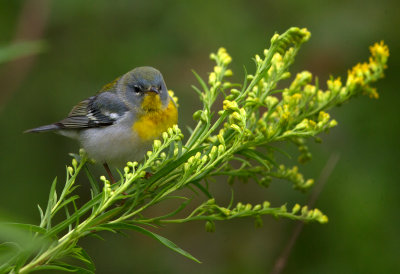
x=155 y=90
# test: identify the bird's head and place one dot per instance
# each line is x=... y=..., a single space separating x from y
x=144 y=89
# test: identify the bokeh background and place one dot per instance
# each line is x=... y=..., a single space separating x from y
x=89 y=43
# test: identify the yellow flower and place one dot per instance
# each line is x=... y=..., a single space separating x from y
x=172 y=94
x=380 y=51
x=212 y=78
x=334 y=85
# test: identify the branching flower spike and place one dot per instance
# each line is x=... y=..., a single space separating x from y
x=238 y=142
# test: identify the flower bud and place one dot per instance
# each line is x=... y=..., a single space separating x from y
x=74 y=163
x=165 y=136
x=236 y=128
x=210 y=226
x=197 y=155
x=213 y=151
x=186 y=166
x=230 y=105
x=274 y=38
x=70 y=170
x=190 y=160
x=226 y=59
x=228 y=72
x=323 y=219
x=304 y=210
x=212 y=78
x=221 y=149
x=271 y=101
x=221 y=139
x=247 y=207
x=333 y=123
x=142 y=174
x=82 y=152
x=257 y=207
x=296 y=208
x=156 y=144
x=285 y=75
x=308 y=183
x=258 y=59
x=217 y=69
x=236 y=116
x=258 y=222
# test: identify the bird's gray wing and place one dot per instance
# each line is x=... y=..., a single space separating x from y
x=97 y=111
x=100 y=110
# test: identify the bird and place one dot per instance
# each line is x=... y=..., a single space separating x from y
x=121 y=121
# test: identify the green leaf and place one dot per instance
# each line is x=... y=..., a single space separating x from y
x=29 y=227
x=22 y=237
x=159 y=238
x=245 y=80
x=255 y=155
x=198 y=91
x=8 y=250
x=63 y=225
x=40 y=212
x=21 y=49
x=84 y=257
x=93 y=184
x=5 y=268
x=7 y=247
x=280 y=151
x=50 y=203
x=107 y=215
x=66 y=202
x=203 y=189
x=63 y=267
x=101 y=228
x=201 y=81
x=179 y=209
x=94 y=235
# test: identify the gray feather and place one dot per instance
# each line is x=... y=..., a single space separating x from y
x=50 y=127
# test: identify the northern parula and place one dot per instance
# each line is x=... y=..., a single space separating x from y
x=121 y=121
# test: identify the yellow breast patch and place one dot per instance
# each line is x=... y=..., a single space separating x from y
x=155 y=121
x=151 y=102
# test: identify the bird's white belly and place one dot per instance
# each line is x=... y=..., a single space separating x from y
x=115 y=144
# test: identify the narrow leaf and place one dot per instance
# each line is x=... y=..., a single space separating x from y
x=21 y=49
x=63 y=225
x=94 y=185
x=201 y=81
x=252 y=154
x=29 y=227
x=159 y=238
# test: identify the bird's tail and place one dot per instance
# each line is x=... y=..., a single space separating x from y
x=50 y=127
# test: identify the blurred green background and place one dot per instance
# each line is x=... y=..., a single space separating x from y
x=92 y=42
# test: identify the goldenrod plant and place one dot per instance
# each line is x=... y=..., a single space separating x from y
x=238 y=142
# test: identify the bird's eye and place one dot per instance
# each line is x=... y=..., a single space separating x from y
x=137 y=89
x=159 y=88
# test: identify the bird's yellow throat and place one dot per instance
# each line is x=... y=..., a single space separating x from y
x=155 y=119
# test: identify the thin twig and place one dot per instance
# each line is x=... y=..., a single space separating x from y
x=281 y=262
x=107 y=168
